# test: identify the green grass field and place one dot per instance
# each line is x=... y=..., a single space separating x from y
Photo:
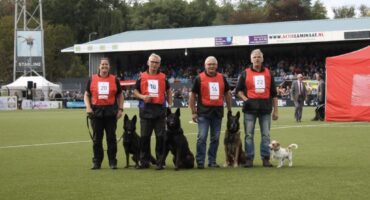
x=47 y=155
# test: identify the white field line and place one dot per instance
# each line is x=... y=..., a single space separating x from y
x=44 y=144
x=334 y=125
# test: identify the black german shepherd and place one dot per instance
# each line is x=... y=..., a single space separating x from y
x=233 y=144
x=175 y=141
x=131 y=141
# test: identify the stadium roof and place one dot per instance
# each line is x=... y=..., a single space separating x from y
x=230 y=35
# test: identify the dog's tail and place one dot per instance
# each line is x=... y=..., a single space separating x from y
x=292 y=146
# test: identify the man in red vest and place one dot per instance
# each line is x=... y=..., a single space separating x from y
x=256 y=87
x=211 y=90
x=104 y=104
x=151 y=89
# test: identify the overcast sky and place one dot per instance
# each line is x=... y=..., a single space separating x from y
x=329 y=4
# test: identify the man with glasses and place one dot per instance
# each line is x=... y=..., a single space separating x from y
x=151 y=89
x=211 y=90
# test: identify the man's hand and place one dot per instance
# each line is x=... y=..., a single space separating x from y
x=119 y=114
x=195 y=117
x=275 y=115
x=147 y=98
x=89 y=112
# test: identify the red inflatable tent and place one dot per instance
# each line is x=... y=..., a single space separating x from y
x=348 y=86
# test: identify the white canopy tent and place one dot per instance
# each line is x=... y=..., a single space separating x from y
x=41 y=85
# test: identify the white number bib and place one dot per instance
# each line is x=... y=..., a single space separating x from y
x=103 y=90
x=259 y=83
x=214 y=90
x=153 y=88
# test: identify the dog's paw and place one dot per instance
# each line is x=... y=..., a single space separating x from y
x=235 y=165
x=279 y=166
x=226 y=165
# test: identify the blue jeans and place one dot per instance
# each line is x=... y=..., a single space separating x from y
x=249 y=125
x=203 y=125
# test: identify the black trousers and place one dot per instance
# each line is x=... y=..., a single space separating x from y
x=109 y=125
x=147 y=127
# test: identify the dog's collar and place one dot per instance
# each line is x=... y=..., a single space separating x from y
x=276 y=149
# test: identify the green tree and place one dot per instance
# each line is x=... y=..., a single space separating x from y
x=202 y=12
x=6 y=48
x=77 y=14
x=159 y=14
x=344 y=12
x=288 y=10
x=365 y=11
x=248 y=12
x=60 y=65
x=223 y=14
x=6 y=7
x=318 y=10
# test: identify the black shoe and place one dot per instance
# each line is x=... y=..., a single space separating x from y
x=266 y=163
x=96 y=166
x=159 y=167
x=213 y=165
x=113 y=164
x=248 y=164
x=200 y=166
x=143 y=167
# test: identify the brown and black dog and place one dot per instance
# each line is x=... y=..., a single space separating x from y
x=176 y=143
x=233 y=144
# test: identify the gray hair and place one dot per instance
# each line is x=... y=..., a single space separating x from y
x=257 y=51
x=155 y=55
x=209 y=58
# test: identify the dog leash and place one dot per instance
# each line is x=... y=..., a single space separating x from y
x=88 y=127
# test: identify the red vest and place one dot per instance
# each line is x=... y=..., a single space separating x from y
x=212 y=89
x=155 y=86
x=258 y=84
x=103 y=90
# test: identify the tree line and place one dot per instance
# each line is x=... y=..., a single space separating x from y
x=69 y=22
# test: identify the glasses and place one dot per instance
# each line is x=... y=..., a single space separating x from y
x=155 y=62
x=211 y=63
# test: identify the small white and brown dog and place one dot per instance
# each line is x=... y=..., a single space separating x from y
x=280 y=154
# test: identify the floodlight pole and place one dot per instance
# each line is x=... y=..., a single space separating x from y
x=23 y=18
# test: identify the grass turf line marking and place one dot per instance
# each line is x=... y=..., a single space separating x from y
x=278 y=127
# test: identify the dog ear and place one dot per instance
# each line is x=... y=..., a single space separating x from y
x=125 y=118
x=238 y=115
x=168 y=111
x=134 y=119
x=229 y=114
x=178 y=112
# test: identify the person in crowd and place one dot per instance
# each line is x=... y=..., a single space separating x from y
x=320 y=109
x=256 y=87
x=19 y=100
x=211 y=89
x=104 y=105
x=151 y=89
x=298 y=94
